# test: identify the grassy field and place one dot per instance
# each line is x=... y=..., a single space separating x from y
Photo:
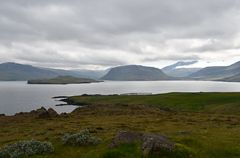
x=195 y=102
x=208 y=124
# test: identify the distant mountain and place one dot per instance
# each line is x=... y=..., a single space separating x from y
x=217 y=72
x=235 y=78
x=19 y=72
x=176 y=65
x=135 y=73
x=93 y=74
x=175 y=70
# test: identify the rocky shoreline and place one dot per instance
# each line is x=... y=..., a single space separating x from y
x=42 y=113
x=50 y=112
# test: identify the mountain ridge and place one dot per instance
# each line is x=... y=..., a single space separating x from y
x=174 y=70
x=14 y=72
x=21 y=72
x=11 y=71
x=217 y=72
x=235 y=78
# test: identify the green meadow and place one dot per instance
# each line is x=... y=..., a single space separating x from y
x=206 y=124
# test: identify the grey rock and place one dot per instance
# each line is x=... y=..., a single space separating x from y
x=151 y=143
x=126 y=137
x=156 y=144
x=52 y=112
x=42 y=113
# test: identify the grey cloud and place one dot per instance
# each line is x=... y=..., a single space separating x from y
x=173 y=57
x=120 y=27
x=64 y=20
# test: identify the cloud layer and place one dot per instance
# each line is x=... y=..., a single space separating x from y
x=98 y=34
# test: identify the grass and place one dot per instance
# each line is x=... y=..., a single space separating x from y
x=125 y=150
x=206 y=124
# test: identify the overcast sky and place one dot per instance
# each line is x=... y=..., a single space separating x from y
x=96 y=34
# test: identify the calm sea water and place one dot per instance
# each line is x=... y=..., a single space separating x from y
x=21 y=97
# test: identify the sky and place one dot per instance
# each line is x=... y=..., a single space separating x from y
x=98 y=34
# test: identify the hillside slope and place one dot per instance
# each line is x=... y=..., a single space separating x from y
x=135 y=73
x=217 y=72
x=235 y=78
x=18 y=72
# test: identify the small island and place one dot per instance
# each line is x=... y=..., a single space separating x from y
x=63 y=80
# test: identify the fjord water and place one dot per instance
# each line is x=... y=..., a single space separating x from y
x=21 y=97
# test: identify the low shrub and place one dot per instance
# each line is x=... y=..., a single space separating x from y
x=26 y=148
x=82 y=138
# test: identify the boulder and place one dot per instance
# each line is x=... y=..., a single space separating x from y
x=52 y=112
x=151 y=143
x=126 y=137
x=156 y=144
x=42 y=113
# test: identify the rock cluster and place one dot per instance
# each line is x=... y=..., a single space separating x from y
x=44 y=113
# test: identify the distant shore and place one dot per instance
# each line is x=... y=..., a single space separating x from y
x=63 y=80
